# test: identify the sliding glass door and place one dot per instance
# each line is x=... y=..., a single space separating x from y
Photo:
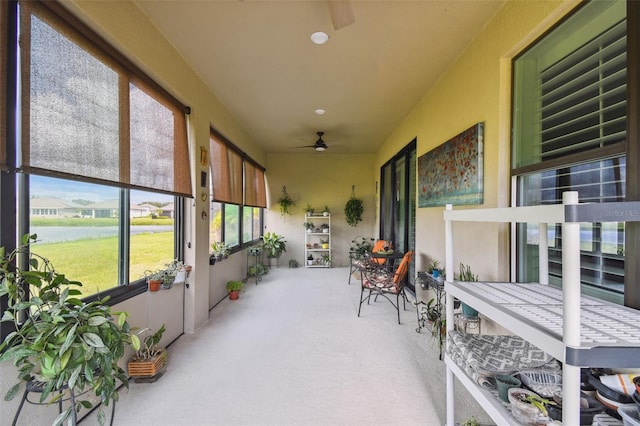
x=398 y=202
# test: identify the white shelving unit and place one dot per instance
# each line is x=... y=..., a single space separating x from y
x=577 y=330
x=313 y=241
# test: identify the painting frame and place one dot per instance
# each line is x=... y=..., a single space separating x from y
x=453 y=172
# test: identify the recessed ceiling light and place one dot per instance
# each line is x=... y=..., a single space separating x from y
x=320 y=111
x=319 y=37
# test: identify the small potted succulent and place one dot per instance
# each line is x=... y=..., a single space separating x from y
x=310 y=259
x=309 y=226
x=326 y=211
x=325 y=228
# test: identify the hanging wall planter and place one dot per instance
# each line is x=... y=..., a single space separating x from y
x=353 y=209
x=285 y=202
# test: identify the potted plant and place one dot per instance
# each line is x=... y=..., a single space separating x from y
x=310 y=259
x=360 y=246
x=170 y=272
x=325 y=228
x=324 y=243
x=434 y=269
x=149 y=359
x=467 y=275
x=220 y=250
x=353 y=209
x=309 y=210
x=528 y=407
x=61 y=342
x=155 y=279
x=309 y=226
x=326 y=211
x=257 y=270
x=233 y=288
x=326 y=259
x=274 y=245
x=285 y=202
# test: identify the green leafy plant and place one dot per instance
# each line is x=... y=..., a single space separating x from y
x=273 y=244
x=434 y=265
x=360 y=246
x=326 y=210
x=326 y=259
x=234 y=286
x=353 y=209
x=59 y=339
x=220 y=249
x=149 y=345
x=309 y=225
x=466 y=274
x=257 y=270
x=285 y=202
x=309 y=210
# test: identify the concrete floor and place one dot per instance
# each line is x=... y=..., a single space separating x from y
x=292 y=351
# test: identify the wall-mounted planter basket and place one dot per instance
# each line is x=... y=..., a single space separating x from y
x=148 y=368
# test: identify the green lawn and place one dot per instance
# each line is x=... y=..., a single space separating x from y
x=107 y=221
x=94 y=262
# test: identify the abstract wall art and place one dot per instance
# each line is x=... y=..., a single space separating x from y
x=452 y=173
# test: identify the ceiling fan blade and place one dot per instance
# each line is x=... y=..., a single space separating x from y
x=341 y=13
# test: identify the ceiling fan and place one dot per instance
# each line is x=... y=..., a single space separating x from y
x=319 y=146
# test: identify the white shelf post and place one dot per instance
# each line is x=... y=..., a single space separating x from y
x=448 y=232
x=571 y=308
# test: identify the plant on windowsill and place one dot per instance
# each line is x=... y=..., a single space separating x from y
x=220 y=250
x=149 y=359
x=172 y=269
x=61 y=342
x=155 y=278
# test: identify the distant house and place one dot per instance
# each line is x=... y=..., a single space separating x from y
x=165 y=211
x=168 y=210
x=54 y=207
x=108 y=208
x=149 y=209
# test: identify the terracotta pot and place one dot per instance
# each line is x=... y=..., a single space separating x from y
x=154 y=285
x=233 y=295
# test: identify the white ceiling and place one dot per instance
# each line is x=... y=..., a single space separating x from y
x=256 y=56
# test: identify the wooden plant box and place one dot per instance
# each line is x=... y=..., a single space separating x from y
x=148 y=368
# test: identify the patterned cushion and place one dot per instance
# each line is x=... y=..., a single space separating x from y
x=496 y=354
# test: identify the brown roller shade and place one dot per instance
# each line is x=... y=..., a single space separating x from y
x=87 y=116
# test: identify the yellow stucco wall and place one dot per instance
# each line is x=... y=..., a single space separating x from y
x=476 y=88
x=320 y=179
